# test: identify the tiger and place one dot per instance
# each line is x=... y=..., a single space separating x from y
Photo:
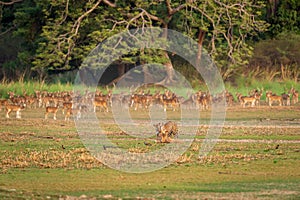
x=166 y=131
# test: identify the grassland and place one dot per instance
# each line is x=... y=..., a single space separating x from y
x=241 y=86
x=256 y=157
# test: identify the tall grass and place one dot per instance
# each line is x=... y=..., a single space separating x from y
x=241 y=85
x=244 y=86
x=29 y=87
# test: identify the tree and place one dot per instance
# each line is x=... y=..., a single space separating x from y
x=14 y=56
x=73 y=29
x=279 y=56
x=66 y=32
x=284 y=16
x=58 y=35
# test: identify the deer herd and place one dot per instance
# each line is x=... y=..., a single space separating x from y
x=75 y=104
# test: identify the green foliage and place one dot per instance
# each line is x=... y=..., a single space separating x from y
x=284 y=16
x=50 y=36
x=278 y=57
x=66 y=47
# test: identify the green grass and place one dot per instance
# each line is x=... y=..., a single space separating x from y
x=243 y=86
x=175 y=180
x=46 y=158
x=31 y=86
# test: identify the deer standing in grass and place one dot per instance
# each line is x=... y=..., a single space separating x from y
x=3 y=102
x=67 y=106
x=14 y=108
x=51 y=109
x=244 y=100
x=271 y=98
x=75 y=112
x=295 y=95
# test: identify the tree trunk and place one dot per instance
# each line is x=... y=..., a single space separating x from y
x=201 y=36
x=169 y=79
x=147 y=76
x=272 y=8
x=169 y=69
x=121 y=69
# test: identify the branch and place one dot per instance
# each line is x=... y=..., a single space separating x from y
x=135 y=18
x=107 y=2
x=9 y=3
x=182 y=6
x=204 y=14
x=141 y=15
x=168 y=4
x=78 y=21
x=8 y=30
x=238 y=7
x=66 y=13
x=172 y=11
x=155 y=18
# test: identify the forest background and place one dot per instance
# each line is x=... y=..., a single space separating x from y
x=249 y=40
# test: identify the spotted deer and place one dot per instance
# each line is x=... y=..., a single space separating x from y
x=67 y=106
x=3 y=102
x=30 y=101
x=101 y=103
x=295 y=95
x=286 y=100
x=14 y=108
x=75 y=112
x=244 y=100
x=202 y=100
x=271 y=98
x=169 y=101
x=138 y=100
x=51 y=109
x=229 y=98
x=16 y=100
x=257 y=95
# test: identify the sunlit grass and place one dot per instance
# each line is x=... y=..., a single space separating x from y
x=245 y=85
x=41 y=158
x=242 y=85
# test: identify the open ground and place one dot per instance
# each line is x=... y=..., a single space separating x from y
x=257 y=156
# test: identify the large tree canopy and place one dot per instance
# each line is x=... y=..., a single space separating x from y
x=56 y=35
